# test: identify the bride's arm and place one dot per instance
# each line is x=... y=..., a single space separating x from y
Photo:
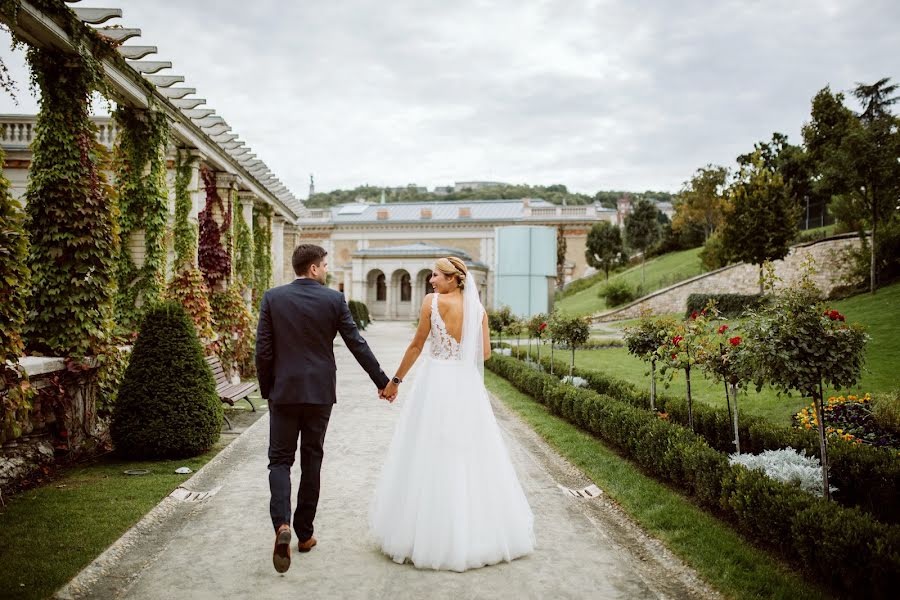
x=415 y=346
x=486 y=337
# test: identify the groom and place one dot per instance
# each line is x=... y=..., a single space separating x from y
x=295 y=365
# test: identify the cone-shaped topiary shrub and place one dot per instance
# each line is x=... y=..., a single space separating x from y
x=167 y=404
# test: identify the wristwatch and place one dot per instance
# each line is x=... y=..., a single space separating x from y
x=396 y=380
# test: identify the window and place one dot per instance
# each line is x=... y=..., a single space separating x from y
x=405 y=288
x=380 y=289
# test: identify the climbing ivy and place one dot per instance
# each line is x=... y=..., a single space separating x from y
x=140 y=167
x=189 y=288
x=262 y=251
x=14 y=279
x=234 y=326
x=15 y=390
x=243 y=250
x=185 y=232
x=214 y=259
x=70 y=217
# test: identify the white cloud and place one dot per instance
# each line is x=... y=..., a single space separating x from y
x=593 y=94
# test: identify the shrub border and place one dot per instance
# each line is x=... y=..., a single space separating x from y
x=844 y=547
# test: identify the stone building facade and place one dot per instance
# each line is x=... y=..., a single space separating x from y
x=396 y=243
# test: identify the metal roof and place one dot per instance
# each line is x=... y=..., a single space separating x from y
x=479 y=210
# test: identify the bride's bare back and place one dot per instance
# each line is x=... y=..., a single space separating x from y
x=450 y=306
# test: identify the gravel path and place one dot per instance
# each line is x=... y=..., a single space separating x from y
x=221 y=546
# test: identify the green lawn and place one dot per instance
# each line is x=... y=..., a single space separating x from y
x=660 y=272
x=711 y=547
x=52 y=532
x=878 y=313
x=881 y=316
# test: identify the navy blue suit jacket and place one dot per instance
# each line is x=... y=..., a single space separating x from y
x=294 y=343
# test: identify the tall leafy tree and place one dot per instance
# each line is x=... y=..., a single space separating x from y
x=604 y=246
x=642 y=229
x=796 y=168
x=701 y=201
x=857 y=154
x=761 y=222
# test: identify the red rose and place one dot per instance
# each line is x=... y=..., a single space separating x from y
x=542 y=327
x=693 y=315
x=677 y=339
x=735 y=340
x=723 y=329
x=674 y=356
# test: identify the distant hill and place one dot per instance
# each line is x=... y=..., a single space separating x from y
x=556 y=194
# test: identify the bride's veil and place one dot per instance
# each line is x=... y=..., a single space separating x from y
x=471 y=344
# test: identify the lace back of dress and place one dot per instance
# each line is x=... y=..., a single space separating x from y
x=443 y=345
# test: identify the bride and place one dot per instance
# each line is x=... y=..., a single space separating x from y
x=448 y=497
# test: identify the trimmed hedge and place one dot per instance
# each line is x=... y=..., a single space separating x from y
x=866 y=477
x=729 y=305
x=167 y=405
x=844 y=547
x=360 y=313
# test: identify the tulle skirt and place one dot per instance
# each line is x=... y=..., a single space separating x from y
x=448 y=497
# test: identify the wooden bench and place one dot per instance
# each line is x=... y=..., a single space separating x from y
x=228 y=392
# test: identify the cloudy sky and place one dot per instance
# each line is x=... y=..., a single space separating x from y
x=593 y=94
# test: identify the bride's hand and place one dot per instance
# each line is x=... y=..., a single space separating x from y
x=390 y=392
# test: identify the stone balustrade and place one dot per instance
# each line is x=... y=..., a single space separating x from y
x=18 y=131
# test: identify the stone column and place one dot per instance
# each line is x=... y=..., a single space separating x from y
x=389 y=312
x=226 y=183
x=245 y=206
x=277 y=250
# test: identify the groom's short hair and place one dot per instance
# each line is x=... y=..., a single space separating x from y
x=306 y=255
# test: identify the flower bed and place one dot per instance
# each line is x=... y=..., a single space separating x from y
x=866 y=476
x=850 y=419
x=844 y=547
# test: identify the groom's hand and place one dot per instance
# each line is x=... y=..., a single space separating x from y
x=390 y=392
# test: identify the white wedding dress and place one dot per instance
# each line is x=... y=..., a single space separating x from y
x=448 y=497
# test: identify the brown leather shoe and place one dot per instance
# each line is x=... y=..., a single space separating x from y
x=281 y=555
x=307 y=545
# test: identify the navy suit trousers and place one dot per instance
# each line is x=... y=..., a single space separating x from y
x=287 y=423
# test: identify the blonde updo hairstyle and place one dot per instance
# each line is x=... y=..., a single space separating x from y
x=453 y=267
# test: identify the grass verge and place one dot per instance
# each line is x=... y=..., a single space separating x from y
x=720 y=555
x=50 y=533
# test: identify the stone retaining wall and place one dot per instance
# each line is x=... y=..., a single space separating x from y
x=53 y=434
x=827 y=256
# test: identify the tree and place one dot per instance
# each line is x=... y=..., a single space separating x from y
x=684 y=348
x=857 y=154
x=604 y=246
x=642 y=229
x=573 y=331
x=797 y=344
x=761 y=221
x=560 y=257
x=644 y=340
x=701 y=201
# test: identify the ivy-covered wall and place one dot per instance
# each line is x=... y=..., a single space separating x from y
x=14 y=284
x=213 y=255
x=15 y=392
x=71 y=218
x=243 y=250
x=262 y=252
x=140 y=167
x=185 y=232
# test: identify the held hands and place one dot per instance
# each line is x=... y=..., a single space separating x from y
x=389 y=393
